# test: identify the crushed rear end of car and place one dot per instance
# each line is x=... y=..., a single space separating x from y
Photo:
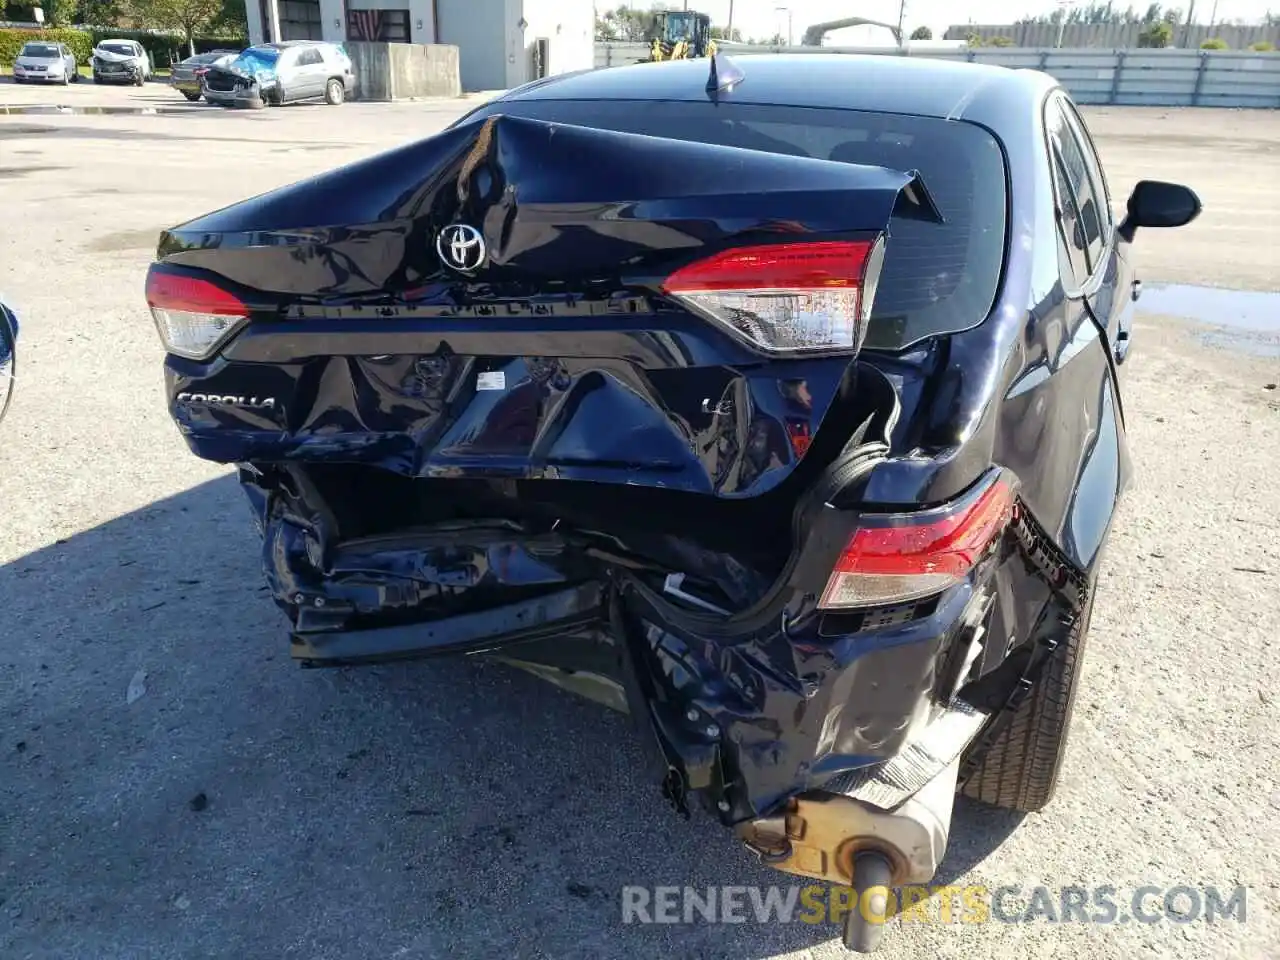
x=596 y=404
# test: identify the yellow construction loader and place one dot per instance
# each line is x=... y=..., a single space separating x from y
x=679 y=35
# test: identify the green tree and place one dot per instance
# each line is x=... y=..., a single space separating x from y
x=189 y=16
x=1262 y=46
x=58 y=13
x=1158 y=34
x=100 y=13
x=1000 y=42
x=624 y=24
x=232 y=20
x=718 y=33
x=1214 y=43
x=921 y=33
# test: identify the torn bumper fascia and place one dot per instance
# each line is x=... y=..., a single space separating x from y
x=804 y=701
x=807 y=700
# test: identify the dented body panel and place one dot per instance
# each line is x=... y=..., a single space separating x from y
x=549 y=462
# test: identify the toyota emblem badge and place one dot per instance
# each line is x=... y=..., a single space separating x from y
x=461 y=246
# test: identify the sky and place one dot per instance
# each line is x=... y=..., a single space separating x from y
x=758 y=18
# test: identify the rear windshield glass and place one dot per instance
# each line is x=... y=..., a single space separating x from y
x=937 y=278
x=42 y=50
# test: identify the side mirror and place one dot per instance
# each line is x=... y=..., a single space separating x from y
x=1155 y=203
x=8 y=356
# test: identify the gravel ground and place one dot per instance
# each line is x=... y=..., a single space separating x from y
x=239 y=807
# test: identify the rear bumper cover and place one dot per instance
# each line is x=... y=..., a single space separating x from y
x=742 y=721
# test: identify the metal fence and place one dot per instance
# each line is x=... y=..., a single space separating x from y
x=1109 y=36
x=1138 y=77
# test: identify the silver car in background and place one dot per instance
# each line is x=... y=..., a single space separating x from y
x=41 y=62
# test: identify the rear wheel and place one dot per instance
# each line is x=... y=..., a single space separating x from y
x=1020 y=770
x=334 y=93
x=193 y=97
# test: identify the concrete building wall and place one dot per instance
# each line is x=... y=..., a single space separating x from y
x=568 y=26
x=478 y=29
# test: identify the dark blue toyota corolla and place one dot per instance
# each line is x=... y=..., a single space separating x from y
x=774 y=401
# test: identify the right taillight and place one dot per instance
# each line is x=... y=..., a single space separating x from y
x=896 y=558
x=193 y=316
x=794 y=296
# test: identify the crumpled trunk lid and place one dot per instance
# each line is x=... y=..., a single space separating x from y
x=556 y=358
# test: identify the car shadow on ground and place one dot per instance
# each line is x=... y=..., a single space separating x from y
x=175 y=786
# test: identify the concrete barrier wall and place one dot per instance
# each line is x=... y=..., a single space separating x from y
x=1135 y=77
x=400 y=71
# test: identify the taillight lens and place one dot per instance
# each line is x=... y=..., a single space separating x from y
x=897 y=558
x=193 y=316
x=787 y=296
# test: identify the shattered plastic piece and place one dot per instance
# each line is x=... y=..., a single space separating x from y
x=137 y=686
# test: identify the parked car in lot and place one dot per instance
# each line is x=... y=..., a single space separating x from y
x=121 y=61
x=278 y=73
x=778 y=401
x=8 y=354
x=187 y=77
x=39 y=62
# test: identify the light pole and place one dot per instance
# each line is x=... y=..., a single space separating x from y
x=728 y=32
x=1063 y=7
x=787 y=11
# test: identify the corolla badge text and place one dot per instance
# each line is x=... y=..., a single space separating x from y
x=229 y=400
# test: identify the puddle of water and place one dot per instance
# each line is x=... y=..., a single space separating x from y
x=49 y=109
x=1238 y=309
x=126 y=240
x=1243 y=320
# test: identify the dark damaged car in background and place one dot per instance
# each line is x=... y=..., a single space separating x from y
x=774 y=402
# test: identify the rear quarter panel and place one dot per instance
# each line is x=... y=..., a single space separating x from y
x=1030 y=389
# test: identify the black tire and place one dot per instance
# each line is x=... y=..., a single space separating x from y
x=192 y=97
x=1020 y=770
x=19 y=79
x=334 y=93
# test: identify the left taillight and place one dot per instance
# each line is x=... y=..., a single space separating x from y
x=896 y=558
x=193 y=316
x=784 y=297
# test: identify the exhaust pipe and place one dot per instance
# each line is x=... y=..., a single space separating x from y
x=836 y=838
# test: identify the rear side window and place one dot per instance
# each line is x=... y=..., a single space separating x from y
x=938 y=278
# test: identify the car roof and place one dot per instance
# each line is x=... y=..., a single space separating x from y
x=285 y=44
x=115 y=40
x=891 y=84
